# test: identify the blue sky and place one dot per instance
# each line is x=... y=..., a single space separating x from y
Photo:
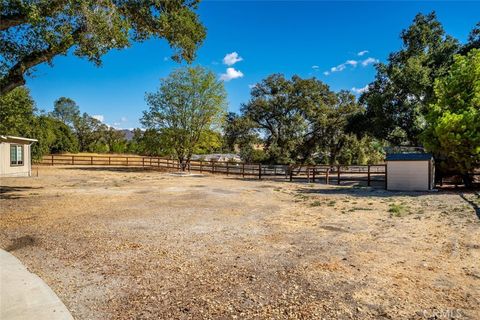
x=304 y=38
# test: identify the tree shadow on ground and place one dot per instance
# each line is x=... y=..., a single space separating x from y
x=19 y=243
x=8 y=192
x=473 y=203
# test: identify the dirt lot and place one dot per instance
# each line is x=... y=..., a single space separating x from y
x=117 y=244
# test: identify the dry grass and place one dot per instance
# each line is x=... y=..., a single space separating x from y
x=123 y=244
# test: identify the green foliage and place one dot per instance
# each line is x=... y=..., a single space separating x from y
x=210 y=142
x=65 y=110
x=453 y=132
x=17 y=112
x=53 y=137
x=114 y=140
x=397 y=99
x=149 y=142
x=250 y=154
x=34 y=32
x=299 y=120
x=90 y=133
x=290 y=115
x=473 y=40
x=360 y=151
x=398 y=210
x=189 y=103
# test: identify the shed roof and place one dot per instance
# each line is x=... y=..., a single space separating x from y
x=408 y=157
x=16 y=139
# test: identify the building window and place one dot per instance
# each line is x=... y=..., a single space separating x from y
x=16 y=155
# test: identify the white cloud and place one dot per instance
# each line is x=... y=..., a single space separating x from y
x=99 y=117
x=123 y=119
x=342 y=66
x=230 y=74
x=360 y=90
x=338 y=68
x=361 y=53
x=315 y=67
x=231 y=58
x=166 y=58
x=352 y=63
x=368 y=61
x=251 y=86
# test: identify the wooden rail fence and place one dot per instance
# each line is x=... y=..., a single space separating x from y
x=325 y=173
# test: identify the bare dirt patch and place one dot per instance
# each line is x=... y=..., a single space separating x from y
x=123 y=244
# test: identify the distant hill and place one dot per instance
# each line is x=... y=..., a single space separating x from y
x=127 y=133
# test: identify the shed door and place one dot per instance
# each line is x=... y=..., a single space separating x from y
x=408 y=175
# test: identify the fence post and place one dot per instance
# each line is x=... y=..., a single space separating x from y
x=338 y=174
x=308 y=174
x=91 y=160
x=213 y=166
x=109 y=160
x=143 y=162
x=291 y=172
x=201 y=166
x=368 y=179
x=326 y=176
x=52 y=159
x=243 y=170
x=259 y=171
x=73 y=160
x=313 y=174
x=127 y=161
x=228 y=169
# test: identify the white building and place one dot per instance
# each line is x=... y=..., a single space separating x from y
x=15 y=156
x=410 y=172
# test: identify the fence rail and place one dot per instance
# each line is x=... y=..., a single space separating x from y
x=309 y=173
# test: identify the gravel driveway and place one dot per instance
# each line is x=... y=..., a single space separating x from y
x=122 y=244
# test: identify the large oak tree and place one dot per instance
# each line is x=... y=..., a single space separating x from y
x=35 y=31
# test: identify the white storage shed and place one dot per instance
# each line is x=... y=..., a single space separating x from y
x=15 y=156
x=410 y=172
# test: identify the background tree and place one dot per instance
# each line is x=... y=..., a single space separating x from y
x=189 y=103
x=65 y=110
x=19 y=118
x=90 y=133
x=397 y=99
x=453 y=131
x=238 y=133
x=330 y=127
x=17 y=113
x=115 y=140
x=473 y=40
x=281 y=110
x=34 y=32
x=53 y=137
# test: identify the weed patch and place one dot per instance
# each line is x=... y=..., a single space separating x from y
x=398 y=210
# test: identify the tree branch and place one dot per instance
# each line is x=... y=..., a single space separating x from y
x=7 y=21
x=16 y=75
x=46 y=9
